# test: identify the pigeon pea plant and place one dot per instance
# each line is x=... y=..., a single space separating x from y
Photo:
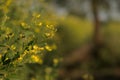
x=26 y=37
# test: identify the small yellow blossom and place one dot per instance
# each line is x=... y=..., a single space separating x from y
x=22 y=36
x=25 y=52
x=50 y=27
x=0 y=56
x=48 y=34
x=35 y=47
x=55 y=61
x=47 y=26
x=30 y=47
x=20 y=58
x=6 y=59
x=35 y=58
x=13 y=47
x=41 y=48
x=38 y=16
x=34 y=51
x=40 y=24
x=23 y=24
x=47 y=47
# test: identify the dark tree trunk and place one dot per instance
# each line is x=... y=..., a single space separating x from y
x=96 y=22
x=70 y=68
x=97 y=39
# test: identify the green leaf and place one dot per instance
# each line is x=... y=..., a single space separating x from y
x=7 y=62
x=3 y=57
x=16 y=56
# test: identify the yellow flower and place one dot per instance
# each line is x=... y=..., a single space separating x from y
x=6 y=59
x=38 y=16
x=48 y=48
x=34 y=51
x=30 y=47
x=35 y=58
x=13 y=47
x=40 y=24
x=20 y=58
x=48 y=34
x=25 y=52
x=41 y=48
x=22 y=36
x=50 y=27
x=0 y=56
x=47 y=26
x=55 y=61
x=23 y=24
x=35 y=47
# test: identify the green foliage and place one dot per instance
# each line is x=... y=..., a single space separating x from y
x=26 y=36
